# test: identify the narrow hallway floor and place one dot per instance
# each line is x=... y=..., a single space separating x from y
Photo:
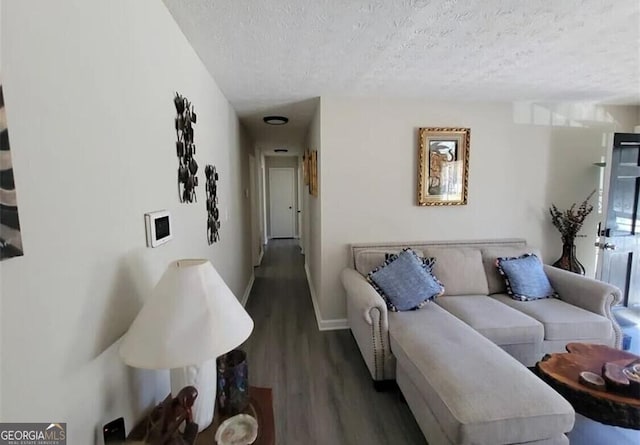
x=322 y=390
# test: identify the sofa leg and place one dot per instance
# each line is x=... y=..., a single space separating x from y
x=384 y=385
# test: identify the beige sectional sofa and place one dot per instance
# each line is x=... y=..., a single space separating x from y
x=459 y=360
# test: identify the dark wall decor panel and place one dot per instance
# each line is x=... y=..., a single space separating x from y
x=213 y=214
x=186 y=149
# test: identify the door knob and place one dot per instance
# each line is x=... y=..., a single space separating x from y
x=606 y=246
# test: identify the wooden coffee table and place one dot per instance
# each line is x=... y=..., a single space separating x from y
x=561 y=371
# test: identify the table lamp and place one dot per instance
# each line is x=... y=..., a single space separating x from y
x=191 y=318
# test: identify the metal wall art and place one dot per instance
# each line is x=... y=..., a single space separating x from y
x=10 y=236
x=186 y=149
x=443 y=166
x=213 y=217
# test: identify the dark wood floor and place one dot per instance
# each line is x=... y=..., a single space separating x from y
x=322 y=389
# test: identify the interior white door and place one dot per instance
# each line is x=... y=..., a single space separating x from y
x=282 y=202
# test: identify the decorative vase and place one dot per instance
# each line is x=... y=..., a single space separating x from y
x=233 y=383
x=568 y=260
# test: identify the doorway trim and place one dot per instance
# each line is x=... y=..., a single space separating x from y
x=608 y=239
x=293 y=207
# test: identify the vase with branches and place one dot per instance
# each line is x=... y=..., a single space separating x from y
x=569 y=222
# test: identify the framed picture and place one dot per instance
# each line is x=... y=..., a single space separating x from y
x=313 y=173
x=305 y=166
x=443 y=166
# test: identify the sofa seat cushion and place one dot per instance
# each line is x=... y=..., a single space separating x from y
x=498 y=322
x=459 y=269
x=561 y=320
x=478 y=393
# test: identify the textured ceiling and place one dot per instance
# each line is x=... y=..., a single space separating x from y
x=275 y=55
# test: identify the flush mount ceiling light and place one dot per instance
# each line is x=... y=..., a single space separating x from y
x=281 y=150
x=275 y=120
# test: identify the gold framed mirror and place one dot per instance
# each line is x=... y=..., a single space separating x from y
x=443 y=166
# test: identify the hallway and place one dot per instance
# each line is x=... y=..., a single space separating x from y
x=322 y=390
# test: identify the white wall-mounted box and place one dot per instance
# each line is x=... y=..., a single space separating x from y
x=158 y=226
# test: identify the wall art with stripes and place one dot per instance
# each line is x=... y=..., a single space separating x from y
x=10 y=237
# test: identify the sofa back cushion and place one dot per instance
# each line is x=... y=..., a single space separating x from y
x=369 y=259
x=459 y=269
x=495 y=280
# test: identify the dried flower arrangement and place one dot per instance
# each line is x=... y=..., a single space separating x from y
x=570 y=221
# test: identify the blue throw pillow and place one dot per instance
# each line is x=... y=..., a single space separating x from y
x=404 y=282
x=525 y=278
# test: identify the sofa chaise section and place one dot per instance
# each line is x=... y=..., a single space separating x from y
x=463 y=389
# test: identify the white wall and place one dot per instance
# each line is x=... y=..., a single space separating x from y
x=262 y=201
x=89 y=86
x=518 y=166
x=580 y=137
x=254 y=196
x=312 y=216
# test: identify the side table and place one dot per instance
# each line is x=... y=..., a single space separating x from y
x=260 y=406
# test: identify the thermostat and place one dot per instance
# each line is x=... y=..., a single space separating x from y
x=158 y=225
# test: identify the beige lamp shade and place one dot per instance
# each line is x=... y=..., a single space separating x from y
x=191 y=317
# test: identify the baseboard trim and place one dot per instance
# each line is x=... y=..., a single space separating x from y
x=247 y=291
x=312 y=291
x=260 y=257
x=323 y=325
x=334 y=324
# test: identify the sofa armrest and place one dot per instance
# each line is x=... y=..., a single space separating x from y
x=589 y=294
x=363 y=296
x=369 y=322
